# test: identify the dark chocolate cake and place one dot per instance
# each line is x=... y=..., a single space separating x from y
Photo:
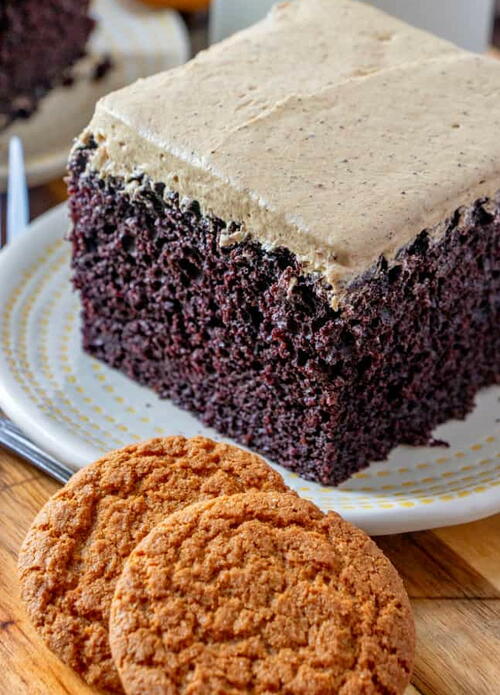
x=301 y=246
x=39 y=42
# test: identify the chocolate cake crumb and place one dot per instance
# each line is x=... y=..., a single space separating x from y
x=102 y=68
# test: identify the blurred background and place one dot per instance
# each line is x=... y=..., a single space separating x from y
x=467 y=23
x=140 y=37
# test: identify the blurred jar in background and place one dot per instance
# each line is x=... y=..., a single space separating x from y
x=467 y=23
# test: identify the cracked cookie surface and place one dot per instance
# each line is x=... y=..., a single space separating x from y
x=260 y=593
x=74 y=552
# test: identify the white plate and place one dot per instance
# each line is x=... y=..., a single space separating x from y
x=77 y=408
x=140 y=41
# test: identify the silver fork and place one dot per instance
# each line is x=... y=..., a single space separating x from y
x=17 y=216
x=14 y=440
x=18 y=212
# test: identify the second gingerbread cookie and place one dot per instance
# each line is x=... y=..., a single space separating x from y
x=260 y=593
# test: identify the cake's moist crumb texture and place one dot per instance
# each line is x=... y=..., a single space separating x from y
x=246 y=339
x=39 y=42
x=260 y=593
x=76 y=547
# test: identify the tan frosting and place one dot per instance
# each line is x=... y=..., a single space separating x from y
x=330 y=128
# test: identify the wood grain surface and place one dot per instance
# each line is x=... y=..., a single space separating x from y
x=452 y=576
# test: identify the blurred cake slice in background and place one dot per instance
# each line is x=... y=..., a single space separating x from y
x=39 y=44
x=51 y=76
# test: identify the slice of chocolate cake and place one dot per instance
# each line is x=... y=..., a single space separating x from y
x=39 y=42
x=297 y=234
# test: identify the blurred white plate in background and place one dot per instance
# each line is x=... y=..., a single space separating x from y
x=140 y=41
x=77 y=408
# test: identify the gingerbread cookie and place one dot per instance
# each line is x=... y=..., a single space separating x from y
x=76 y=547
x=260 y=593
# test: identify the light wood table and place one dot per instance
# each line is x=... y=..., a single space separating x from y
x=452 y=576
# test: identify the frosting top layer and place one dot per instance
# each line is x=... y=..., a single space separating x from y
x=330 y=128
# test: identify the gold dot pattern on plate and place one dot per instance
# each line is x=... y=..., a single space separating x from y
x=15 y=346
x=88 y=403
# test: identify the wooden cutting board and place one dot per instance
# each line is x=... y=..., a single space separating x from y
x=452 y=576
